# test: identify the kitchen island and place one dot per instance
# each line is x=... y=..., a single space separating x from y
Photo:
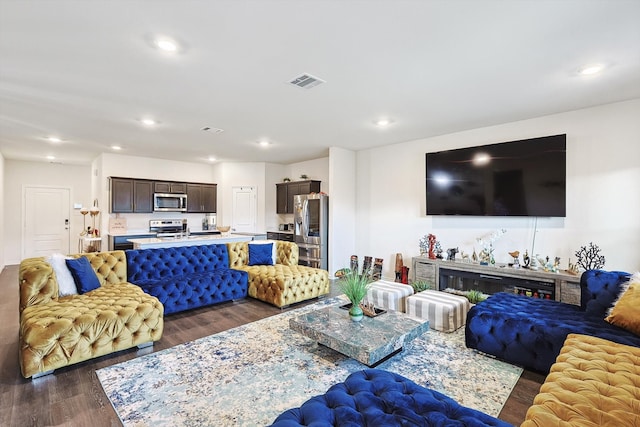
x=167 y=242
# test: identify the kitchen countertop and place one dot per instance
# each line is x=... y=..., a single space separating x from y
x=281 y=232
x=166 y=242
x=153 y=233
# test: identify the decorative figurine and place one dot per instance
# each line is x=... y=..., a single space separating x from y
x=377 y=269
x=547 y=265
x=451 y=254
x=438 y=250
x=474 y=256
x=405 y=275
x=399 y=264
x=366 y=266
x=526 y=259
x=516 y=260
x=354 y=263
x=573 y=268
x=486 y=256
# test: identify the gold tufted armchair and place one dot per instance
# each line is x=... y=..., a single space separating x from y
x=284 y=283
x=59 y=331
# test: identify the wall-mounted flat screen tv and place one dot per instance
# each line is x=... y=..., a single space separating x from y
x=518 y=178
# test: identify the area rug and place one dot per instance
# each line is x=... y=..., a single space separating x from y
x=247 y=376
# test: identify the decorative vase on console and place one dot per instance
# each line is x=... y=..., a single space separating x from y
x=355 y=287
x=432 y=244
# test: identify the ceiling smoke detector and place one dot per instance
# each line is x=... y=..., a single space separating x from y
x=212 y=130
x=306 y=81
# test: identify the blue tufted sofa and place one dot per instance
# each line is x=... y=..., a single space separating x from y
x=186 y=277
x=379 y=398
x=530 y=332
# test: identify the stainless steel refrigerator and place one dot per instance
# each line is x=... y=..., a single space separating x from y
x=311 y=219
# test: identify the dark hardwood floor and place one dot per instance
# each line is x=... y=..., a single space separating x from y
x=72 y=396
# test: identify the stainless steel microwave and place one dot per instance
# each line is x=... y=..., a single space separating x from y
x=165 y=202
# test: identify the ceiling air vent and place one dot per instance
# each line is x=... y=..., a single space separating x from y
x=306 y=81
x=212 y=130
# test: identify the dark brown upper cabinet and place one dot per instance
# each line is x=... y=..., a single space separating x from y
x=286 y=190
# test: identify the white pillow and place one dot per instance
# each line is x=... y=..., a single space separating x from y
x=266 y=242
x=66 y=284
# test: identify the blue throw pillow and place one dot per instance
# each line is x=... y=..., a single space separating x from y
x=83 y=274
x=261 y=254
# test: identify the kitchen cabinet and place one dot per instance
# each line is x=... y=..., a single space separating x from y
x=202 y=198
x=131 y=195
x=286 y=190
x=169 y=187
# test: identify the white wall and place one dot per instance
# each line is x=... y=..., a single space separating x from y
x=231 y=175
x=264 y=176
x=274 y=173
x=3 y=206
x=603 y=200
x=342 y=207
x=18 y=174
x=317 y=169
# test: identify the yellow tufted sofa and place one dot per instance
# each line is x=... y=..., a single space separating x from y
x=60 y=331
x=594 y=382
x=284 y=283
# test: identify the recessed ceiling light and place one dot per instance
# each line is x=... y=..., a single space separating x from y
x=264 y=143
x=116 y=147
x=148 y=122
x=591 y=69
x=51 y=157
x=383 y=122
x=54 y=139
x=211 y=159
x=166 y=44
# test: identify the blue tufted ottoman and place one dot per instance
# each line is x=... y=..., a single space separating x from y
x=530 y=332
x=379 y=398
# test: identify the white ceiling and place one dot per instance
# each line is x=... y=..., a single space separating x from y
x=86 y=71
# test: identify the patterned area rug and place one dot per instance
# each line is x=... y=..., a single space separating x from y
x=247 y=376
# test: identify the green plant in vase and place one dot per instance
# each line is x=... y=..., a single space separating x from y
x=355 y=287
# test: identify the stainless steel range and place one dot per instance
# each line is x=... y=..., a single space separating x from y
x=168 y=227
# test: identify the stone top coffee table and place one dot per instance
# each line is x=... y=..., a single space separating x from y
x=370 y=341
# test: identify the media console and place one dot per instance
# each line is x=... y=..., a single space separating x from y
x=464 y=276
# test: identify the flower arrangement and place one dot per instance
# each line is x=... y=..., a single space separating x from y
x=487 y=241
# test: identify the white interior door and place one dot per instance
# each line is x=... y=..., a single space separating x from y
x=46 y=221
x=244 y=211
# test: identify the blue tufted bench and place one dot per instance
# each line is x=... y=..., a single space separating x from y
x=530 y=332
x=379 y=398
x=186 y=277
